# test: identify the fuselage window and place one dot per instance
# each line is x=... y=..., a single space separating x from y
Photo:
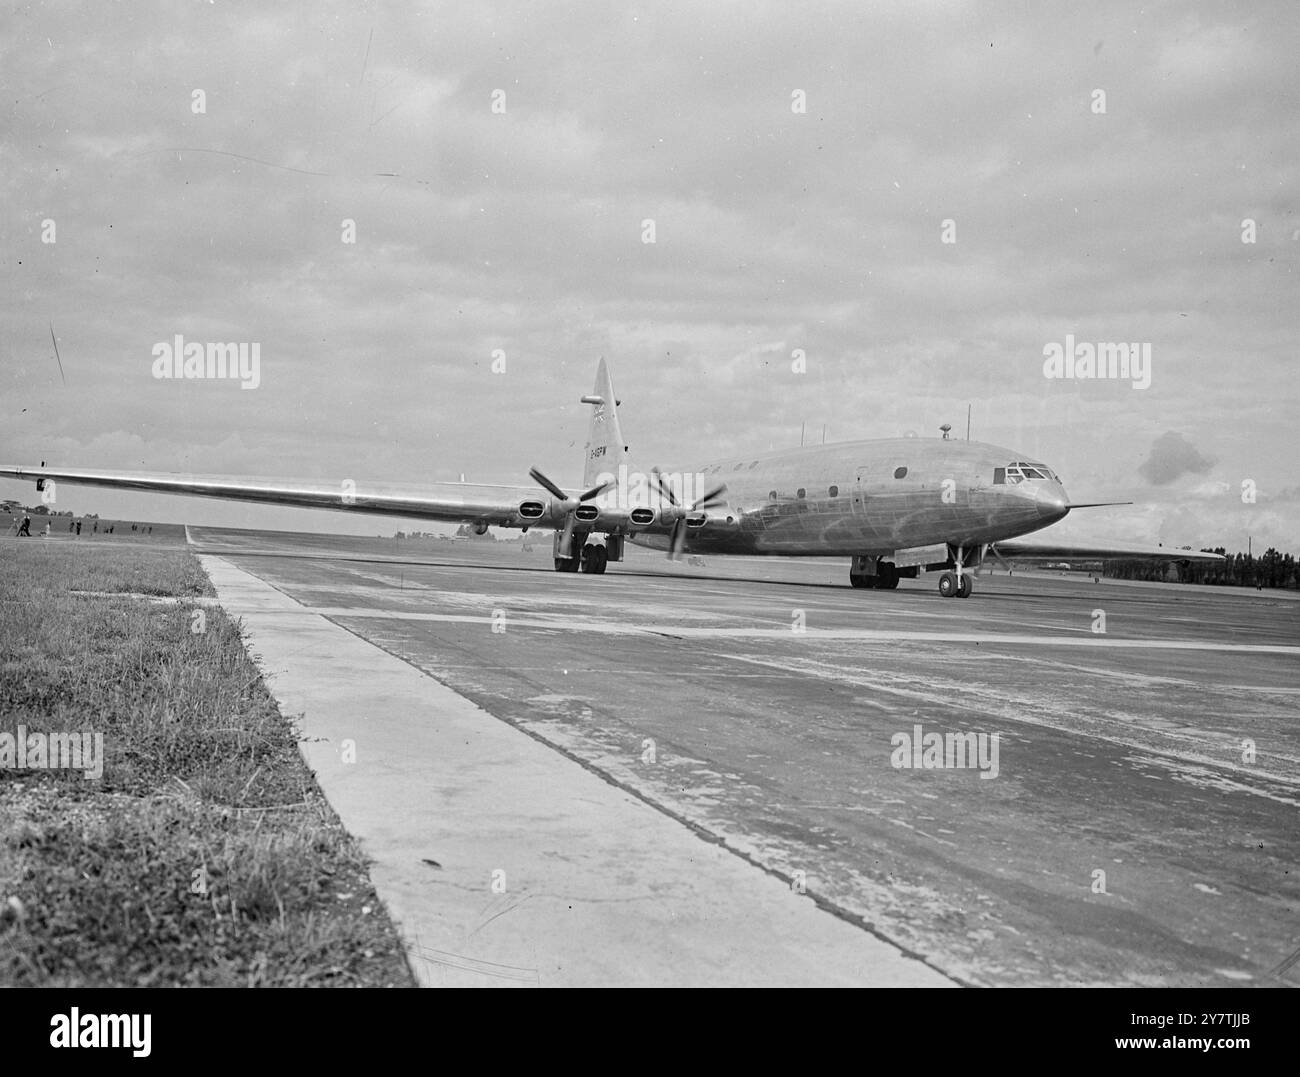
x=999 y=476
x=834 y=491
x=771 y=495
x=900 y=472
x=801 y=493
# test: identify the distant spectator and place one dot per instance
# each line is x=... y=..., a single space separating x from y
x=78 y=527
x=25 y=528
x=94 y=530
x=71 y=525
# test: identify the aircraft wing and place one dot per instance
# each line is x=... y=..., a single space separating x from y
x=502 y=506
x=1027 y=549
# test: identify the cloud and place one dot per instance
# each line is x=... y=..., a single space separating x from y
x=1173 y=456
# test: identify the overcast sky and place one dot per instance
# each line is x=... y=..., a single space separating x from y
x=520 y=228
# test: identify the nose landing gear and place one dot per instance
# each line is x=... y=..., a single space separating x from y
x=956 y=584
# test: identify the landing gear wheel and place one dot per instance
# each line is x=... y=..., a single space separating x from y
x=964 y=586
x=594 y=559
x=888 y=578
x=948 y=584
x=566 y=564
x=862 y=581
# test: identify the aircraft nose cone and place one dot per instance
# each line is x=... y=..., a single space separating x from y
x=1051 y=502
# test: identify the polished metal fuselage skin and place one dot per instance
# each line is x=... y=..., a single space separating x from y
x=947 y=495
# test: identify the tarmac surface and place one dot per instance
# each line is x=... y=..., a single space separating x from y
x=1133 y=823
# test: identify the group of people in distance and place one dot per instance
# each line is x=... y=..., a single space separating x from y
x=24 y=528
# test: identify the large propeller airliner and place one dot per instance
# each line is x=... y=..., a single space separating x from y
x=894 y=506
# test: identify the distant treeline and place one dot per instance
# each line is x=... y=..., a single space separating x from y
x=1271 y=569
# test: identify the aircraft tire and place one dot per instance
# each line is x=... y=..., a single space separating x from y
x=594 y=559
x=566 y=564
x=948 y=584
x=964 y=586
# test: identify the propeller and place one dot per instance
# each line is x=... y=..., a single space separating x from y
x=568 y=505
x=677 y=540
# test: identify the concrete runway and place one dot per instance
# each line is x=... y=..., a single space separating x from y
x=1132 y=834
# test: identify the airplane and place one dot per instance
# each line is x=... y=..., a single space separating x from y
x=893 y=506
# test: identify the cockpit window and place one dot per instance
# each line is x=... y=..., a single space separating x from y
x=1020 y=471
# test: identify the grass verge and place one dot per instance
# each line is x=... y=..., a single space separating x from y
x=205 y=853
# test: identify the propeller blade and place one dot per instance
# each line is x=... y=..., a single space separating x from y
x=677 y=542
x=542 y=480
x=566 y=539
x=665 y=491
x=595 y=491
x=711 y=500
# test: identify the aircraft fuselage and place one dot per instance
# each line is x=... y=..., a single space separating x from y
x=871 y=497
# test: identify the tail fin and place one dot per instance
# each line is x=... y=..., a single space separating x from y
x=605 y=448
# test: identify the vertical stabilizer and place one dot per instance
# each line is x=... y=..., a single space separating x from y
x=605 y=450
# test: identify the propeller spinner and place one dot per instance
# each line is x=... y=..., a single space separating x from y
x=568 y=505
x=677 y=540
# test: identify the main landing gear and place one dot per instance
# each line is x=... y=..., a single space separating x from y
x=885 y=579
x=594 y=558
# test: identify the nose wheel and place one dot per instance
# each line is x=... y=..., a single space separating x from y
x=956 y=584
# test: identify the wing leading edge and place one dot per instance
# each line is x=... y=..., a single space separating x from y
x=502 y=506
